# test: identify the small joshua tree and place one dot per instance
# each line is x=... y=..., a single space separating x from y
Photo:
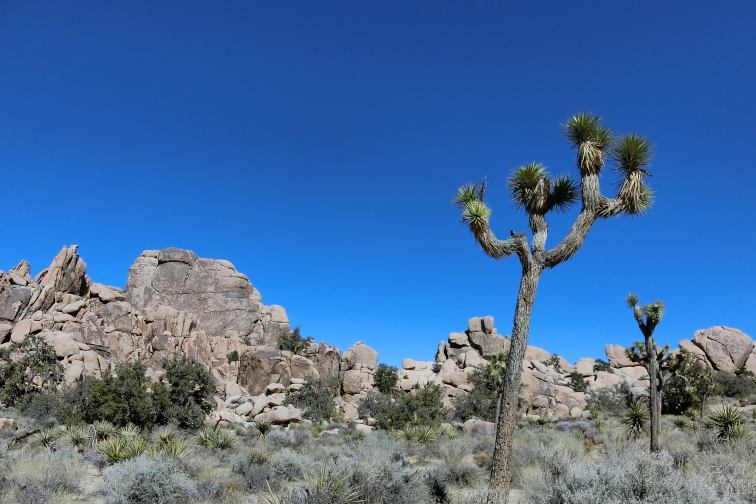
x=535 y=192
x=648 y=317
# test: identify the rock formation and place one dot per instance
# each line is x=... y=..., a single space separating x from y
x=177 y=303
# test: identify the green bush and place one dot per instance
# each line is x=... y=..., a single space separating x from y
x=577 y=382
x=126 y=397
x=688 y=384
x=119 y=398
x=315 y=399
x=741 y=384
x=190 y=391
x=422 y=406
x=293 y=341
x=27 y=368
x=385 y=378
x=481 y=401
x=602 y=365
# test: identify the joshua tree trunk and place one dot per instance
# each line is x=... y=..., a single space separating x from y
x=506 y=419
x=654 y=391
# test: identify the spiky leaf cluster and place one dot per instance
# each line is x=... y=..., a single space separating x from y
x=533 y=190
x=632 y=300
x=586 y=134
x=654 y=311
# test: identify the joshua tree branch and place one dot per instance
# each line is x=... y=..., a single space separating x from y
x=540 y=229
x=496 y=248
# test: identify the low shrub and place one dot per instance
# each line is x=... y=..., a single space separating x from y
x=421 y=407
x=27 y=368
x=316 y=399
x=577 y=382
x=385 y=378
x=293 y=341
x=146 y=480
x=741 y=385
x=33 y=478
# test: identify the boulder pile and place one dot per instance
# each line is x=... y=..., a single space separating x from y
x=176 y=303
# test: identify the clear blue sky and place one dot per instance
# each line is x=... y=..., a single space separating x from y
x=318 y=145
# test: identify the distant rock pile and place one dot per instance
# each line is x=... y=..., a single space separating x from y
x=176 y=303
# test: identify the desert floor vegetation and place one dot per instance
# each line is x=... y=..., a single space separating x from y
x=599 y=460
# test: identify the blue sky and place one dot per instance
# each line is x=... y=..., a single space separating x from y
x=318 y=145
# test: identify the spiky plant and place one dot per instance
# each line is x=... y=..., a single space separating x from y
x=635 y=420
x=174 y=448
x=536 y=193
x=79 y=436
x=647 y=317
x=729 y=423
x=165 y=435
x=102 y=430
x=215 y=437
x=129 y=431
x=263 y=427
x=48 y=437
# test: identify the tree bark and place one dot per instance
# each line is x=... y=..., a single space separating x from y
x=501 y=472
x=654 y=391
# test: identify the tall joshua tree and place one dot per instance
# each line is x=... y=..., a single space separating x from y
x=535 y=192
x=648 y=317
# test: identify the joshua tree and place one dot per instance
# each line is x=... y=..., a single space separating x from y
x=496 y=369
x=537 y=194
x=648 y=317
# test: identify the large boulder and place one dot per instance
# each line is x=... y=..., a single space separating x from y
x=617 y=356
x=726 y=348
x=360 y=356
x=488 y=344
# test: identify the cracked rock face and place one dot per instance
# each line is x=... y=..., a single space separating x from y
x=222 y=299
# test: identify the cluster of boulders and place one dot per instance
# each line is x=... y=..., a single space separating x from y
x=176 y=303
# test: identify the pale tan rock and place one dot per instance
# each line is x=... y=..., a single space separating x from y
x=617 y=356
x=585 y=365
x=726 y=348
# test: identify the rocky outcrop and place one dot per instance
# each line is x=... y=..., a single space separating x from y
x=176 y=303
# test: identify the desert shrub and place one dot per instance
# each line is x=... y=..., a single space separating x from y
x=145 y=480
x=27 y=368
x=316 y=399
x=602 y=365
x=577 y=382
x=293 y=341
x=385 y=378
x=459 y=470
x=119 y=448
x=119 y=398
x=688 y=384
x=436 y=480
x=331 y=485
x=741 y=384
x=288 y=465
x=255 y=470
x=190 y=389
x=481 y=401
x=33 y=478
x=608 y=401
x=421 y=407
x=293 y=438
x=629 y=476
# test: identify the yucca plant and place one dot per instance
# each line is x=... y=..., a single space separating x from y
x=215 y=437
x=537 y=194
x=635 y=420
x=175 y=448
x=79 y=436
x=129 y=431
x=103 y=430
x=166 y=435
x=647 y=317
x=119 y=448
x=48 y=437
x=729 y=423
x=263 y=426
x=113 y=449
